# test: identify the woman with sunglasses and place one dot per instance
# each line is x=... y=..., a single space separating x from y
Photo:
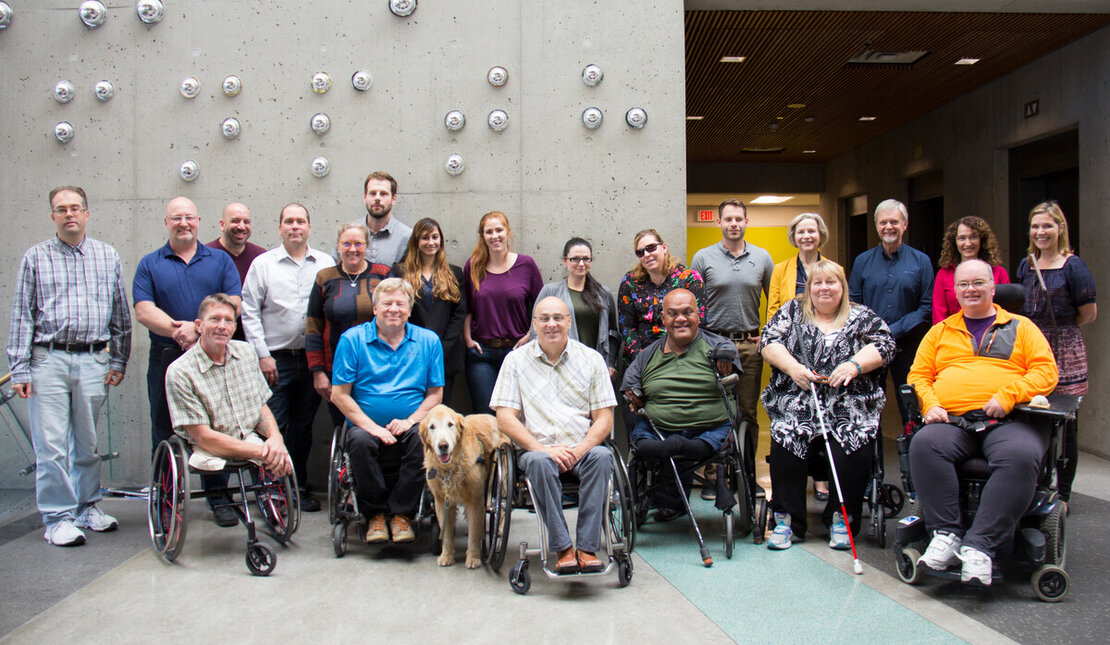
x=340 y=299
x=501 y=288
x=640 y=296
x=593 y=312
x=1068 y=303
x=439 y=305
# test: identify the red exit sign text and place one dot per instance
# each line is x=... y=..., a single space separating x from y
x=707 y=216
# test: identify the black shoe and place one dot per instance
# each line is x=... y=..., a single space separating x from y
x=821 y=496
x=309 y=504
x=668 y=514
x=224 y=515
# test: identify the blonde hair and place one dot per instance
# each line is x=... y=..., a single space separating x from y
x=826 y=268
x=1053 y=210
x=822 y=229
x=391 y=285
x=639 y=273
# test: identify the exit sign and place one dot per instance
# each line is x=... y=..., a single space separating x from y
x=707 y=216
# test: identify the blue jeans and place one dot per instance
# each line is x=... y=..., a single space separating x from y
x=294 y=402
x=594 y=470
x=481 y=375
x=68 y=391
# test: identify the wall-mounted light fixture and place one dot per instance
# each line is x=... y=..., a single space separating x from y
x=92 y=13
x=232 y=85
x=497 y=76
x=63 y=131
x=321 y=82
x=104 y=91
x=591 y=118
x=454 y=120
x=498 y=120
x=362 y=80
x=64 y=92
x=231 y=128
x=402 y=8
x=636 y=117
x=150 y=12
x=189 y=170
x=320 y=167
x=454 y=164
x=320 y=123
x=190 y=87
x=592 y=75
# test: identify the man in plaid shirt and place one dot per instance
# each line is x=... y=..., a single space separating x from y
x=69 y=307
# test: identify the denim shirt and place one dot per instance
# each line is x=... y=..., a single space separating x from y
x=897 y=287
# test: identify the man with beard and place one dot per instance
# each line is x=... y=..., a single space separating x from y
x=235 y=230
x=388 y=236
x=895 y=281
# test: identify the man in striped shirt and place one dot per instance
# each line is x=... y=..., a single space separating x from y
x=69 y=340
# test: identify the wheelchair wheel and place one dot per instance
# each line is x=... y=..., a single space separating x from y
x=893 y=500
x=168 y=505
x=745 y=501
x=762 y=512
x=339 y=539
x=499 y=507
x=337 y=471
x=729 y=539
x=427 y=524
x=1050 y=583
x=519 y=579
x=1053 y=526
x=279 y=503
x=640 y=476
x=622 y=522
x=261 y=559
x=624 y=571
x=907 y=566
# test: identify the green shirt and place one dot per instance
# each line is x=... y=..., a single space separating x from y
x=585 y=319
x=681 y=388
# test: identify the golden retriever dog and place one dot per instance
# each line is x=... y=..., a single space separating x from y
x=456 y=460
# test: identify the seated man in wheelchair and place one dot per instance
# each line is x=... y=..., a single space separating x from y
x=674 y=381
x=970 y=371
x=387 y=375
x=562 y=387
x=217 y=397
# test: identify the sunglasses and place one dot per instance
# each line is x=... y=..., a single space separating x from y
x=648 y=248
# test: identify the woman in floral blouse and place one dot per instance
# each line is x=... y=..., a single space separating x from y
x=820 y=337
x=640 y=297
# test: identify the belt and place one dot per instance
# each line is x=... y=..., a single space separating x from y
x=287 y=352
x=499 y=343
x=736 y=335
x=75 y=348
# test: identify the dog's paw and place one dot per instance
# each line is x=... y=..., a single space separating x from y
x=446 y=560
x=473 y=562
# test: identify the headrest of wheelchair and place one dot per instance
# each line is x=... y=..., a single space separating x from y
x=1010 y=297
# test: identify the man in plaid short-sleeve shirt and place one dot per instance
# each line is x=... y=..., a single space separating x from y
x=217 y=396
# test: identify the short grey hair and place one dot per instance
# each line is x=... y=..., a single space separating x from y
x=392 y=285
x=892 y=205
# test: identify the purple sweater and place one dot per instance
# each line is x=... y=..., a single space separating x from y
x=502 y=308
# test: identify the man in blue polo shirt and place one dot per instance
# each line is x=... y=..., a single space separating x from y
x=169 y=285
x=386 y=377
x=896 y=282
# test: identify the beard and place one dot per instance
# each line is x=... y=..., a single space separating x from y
x=379 y=215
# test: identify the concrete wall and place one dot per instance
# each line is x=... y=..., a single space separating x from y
x=551 y=176
x=969 y=140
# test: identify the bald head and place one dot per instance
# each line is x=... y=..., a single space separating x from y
x=235 y=227
x=180 y=205
x=182 y=223
x=680 y=318
x=975 y=288
x=551 y=320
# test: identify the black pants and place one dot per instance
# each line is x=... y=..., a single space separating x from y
x=294 y=403
x=370 y=461
x=788 y=484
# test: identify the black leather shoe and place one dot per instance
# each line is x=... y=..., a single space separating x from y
x=309 y=504
x=667 y=514
x=225 y=515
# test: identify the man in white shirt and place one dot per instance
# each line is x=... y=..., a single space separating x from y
x=275 y=300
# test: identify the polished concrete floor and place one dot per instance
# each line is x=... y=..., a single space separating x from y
x=114 y=589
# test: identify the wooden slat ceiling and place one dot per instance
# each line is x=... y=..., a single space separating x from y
x=801 y=57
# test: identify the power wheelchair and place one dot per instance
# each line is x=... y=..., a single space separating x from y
x=508 y=488
x=343 y=502
x=1040 y=537
x=277 y=501
x=737 y=493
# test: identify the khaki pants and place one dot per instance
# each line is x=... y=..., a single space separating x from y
x=747 y=390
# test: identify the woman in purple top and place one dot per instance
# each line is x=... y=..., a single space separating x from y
x=501 y=287
x=1070 y=299
x=968 y=238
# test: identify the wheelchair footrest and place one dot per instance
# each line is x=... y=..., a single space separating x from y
x=1031 y=545
x=911 y=528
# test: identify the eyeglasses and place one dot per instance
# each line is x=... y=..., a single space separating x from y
x=965 y=285
x=557 y=318
x=581 y=260
x=178 y=219
x=649 y=248
x=358 y=246
x=66 y=210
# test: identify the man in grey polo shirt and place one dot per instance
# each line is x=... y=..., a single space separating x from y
x=388 y=235
x=735 y=272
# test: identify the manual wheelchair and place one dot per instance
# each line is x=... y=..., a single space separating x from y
x=737 y=494
x=1040 y=537
x=343 y=502
x=277 y=501
x=509 y=488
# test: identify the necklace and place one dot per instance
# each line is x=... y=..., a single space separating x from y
x=352 y=278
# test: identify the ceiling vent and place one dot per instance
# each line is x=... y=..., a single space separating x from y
x=876 y=57
x=762 y=150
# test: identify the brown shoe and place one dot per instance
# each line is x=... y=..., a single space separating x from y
x=377 y=534
x=567 y=563
x=588 y=562
x=401 y=530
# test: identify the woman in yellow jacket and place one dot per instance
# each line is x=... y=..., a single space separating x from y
x=807 y=233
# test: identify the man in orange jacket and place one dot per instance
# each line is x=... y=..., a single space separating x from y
x=970 y=371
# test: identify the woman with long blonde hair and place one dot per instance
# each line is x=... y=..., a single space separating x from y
x=439 y=305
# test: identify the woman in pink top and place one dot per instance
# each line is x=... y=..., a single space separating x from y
x=967 y=238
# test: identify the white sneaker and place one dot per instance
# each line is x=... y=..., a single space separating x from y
x=942 y=551
x=783 y=536
x=977 y=566
x=838 y=534
x=64 y=533
x=97 y=520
